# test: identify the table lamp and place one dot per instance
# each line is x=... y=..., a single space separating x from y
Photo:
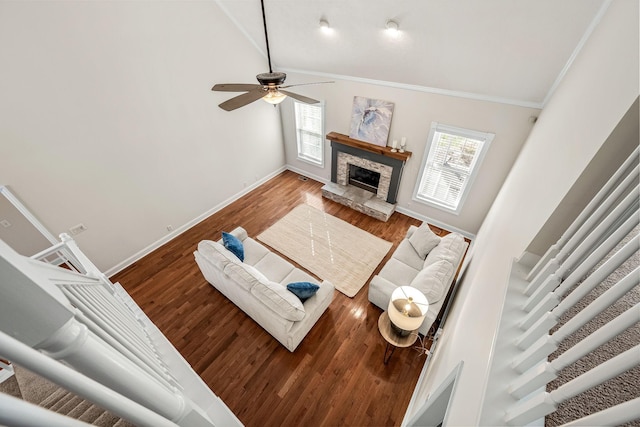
x=407 y=309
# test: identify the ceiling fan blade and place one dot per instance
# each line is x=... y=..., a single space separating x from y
x=300 y=98
x=305 y=84
x=244 y=99
x=234 y=87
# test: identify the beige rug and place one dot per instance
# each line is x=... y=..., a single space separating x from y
x=328 y=247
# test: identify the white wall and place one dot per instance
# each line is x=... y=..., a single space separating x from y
x=413 y=114
x=596 y=93
x=107 y=118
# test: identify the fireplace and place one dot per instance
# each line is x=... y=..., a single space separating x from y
x=364 y=178
x=373 y=176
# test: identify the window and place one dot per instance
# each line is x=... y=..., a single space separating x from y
x=310 y=132
x=450 y=165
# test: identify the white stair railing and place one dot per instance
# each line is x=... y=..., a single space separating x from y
x=552 y=297
x=545 y=403
x=77 y=316
x=581 y=260
x=614 y=187
x=549 y=319
x=542 y=285
x=116 y=328
x=11 y=412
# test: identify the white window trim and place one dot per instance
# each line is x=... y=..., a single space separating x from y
x=300 y=156
x=439 y=127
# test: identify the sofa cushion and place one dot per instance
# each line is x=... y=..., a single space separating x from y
x=297 y=275
x=253 y=251
x=424 y=240
x=244 y=275
x=279 y=299
x=398 y=272
x=274 y=267
x=303 y=290
x=406 y=253
x=233 y=244
x=433 y=281
x=450 y=249
x=216 y=254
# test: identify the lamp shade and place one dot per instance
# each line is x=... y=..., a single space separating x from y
x=407 y=309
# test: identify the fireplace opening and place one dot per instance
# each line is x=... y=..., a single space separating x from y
x=364 y=178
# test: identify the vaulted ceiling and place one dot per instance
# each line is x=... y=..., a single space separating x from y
x=506 y=50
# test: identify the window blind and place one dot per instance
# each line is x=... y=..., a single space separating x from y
x=309 y=129
x=448 y=169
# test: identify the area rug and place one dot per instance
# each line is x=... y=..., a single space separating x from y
x=328 y=247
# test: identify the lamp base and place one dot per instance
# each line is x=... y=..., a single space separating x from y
x=398 y=331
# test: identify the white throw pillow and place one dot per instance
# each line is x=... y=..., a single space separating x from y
x=423 y=240
x=433 y=281
x=279 y=299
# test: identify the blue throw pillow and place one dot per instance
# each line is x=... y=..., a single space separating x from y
x=303 y=290
x=233 y=244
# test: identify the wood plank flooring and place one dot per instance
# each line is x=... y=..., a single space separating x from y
x=335 y=377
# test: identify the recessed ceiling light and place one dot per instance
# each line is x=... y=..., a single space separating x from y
x=392 y=26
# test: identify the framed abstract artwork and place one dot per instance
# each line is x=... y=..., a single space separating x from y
x=370 y=120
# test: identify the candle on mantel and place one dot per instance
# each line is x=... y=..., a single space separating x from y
x=394 y=144
x=403 y=142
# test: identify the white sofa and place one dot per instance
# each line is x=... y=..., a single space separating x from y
x=258 y=287
x=430 y=268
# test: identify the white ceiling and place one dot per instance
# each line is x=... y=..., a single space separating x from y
x=511 y=51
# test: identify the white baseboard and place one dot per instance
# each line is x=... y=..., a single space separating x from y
x=432 y=221
x=155 y=245
x=307 y=174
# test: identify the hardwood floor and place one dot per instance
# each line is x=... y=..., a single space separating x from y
x=335 y=377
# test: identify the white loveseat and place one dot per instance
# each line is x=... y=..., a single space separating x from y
x=258 y=287
x=430 y=268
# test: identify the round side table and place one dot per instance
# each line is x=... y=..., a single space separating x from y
x=393 y=340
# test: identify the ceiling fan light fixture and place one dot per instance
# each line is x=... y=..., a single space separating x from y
x=274 y=96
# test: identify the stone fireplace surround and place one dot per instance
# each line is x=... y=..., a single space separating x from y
x=385 y=171
x=346 y=151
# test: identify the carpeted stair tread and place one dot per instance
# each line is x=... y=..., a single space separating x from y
x=11 y=387
x=42 y=392
x=92 y=413
x=34 y=388
x=62 y=401
x=70 y=405
x=123 y=423
x=79 y=409
x=107 y=419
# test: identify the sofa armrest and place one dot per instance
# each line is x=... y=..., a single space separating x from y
x=380 y=290
x=240 y=233
x=319 y=299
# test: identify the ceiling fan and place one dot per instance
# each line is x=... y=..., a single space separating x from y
x=270 y=88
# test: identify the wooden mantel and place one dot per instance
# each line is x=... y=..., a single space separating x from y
x=385 y=151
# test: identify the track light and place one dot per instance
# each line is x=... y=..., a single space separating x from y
x=324 y=24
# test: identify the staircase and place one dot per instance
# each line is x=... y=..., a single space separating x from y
x=34 y=389
x=86 y=335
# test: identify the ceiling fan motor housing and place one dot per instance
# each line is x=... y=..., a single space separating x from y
x=271 y=79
